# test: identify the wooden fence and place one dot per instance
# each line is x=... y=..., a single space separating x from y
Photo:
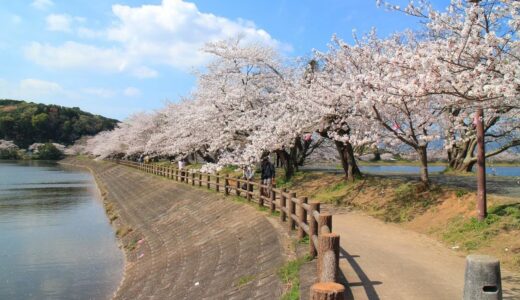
x=298 y=212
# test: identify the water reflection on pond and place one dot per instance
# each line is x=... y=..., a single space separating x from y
x=403 y=169
x=56 y=240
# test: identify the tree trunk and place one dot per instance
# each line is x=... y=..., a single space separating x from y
x=287 y=163
x=348 y=161
x=423 y=156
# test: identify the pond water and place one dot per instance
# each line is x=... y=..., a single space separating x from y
x=56 y=242
x=401 y=169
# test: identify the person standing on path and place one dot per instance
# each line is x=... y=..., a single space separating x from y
x=268 y=174
x=248 y=174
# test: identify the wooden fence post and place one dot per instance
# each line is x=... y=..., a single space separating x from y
x=313 y=228
x=324 y=224
x=291 y=210
x=237 y=191
x=327 y=291
x=328 y=257
x=272 y=205
x=200 y=179
x=208 y=183
x=302 y=217
x=192 y=178
x=226 y=185
x=248 y=190
x=283 y=200
x=261 y=196
x=217 y=182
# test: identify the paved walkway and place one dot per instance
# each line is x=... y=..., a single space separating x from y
x=383 y=261
x=189 y=243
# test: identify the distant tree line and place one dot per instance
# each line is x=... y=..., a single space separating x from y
x=26 y=123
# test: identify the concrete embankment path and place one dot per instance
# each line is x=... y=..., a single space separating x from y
x=382 y=261
x=187 y=243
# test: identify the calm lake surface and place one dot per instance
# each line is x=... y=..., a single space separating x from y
x=55 y=240
x=497 y=171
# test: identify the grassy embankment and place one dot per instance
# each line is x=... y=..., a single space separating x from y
x=445 y=213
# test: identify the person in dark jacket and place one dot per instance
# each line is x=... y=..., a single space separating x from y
x=268 y=174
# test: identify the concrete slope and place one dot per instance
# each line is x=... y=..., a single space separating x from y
x=382 y=261
x=188 y=243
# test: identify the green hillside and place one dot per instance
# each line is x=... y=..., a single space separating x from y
x=26 y=123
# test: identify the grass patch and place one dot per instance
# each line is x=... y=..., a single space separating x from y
x=132 y=244
x=123 y=231
x=290 y=276
x=304 y=241
x=244 y=280
x=410 y=200
x=471 y=234
x=460 y=193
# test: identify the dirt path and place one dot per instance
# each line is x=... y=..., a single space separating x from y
x=187 y=243
x=383 y=261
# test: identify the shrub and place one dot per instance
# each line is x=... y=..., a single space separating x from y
x=49 y=152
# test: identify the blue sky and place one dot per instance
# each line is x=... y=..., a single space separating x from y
x=118 y=57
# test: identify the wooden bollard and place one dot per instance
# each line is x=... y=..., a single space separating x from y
x=208 y=181
x=302 y=216
x=283 y=201
x=226 y=185
x=324 y=224
x=217 y=181
x=313 y=228
x=200 y=179
x=327 y=291
x=272 y=205
x=291 y=208
x=328 y=257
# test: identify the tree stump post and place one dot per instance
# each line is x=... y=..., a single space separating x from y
x=291 y=209
x=283 y=201
x=324 y=224
x=328 y=257
x=327 y=291
x=313 y=228
x=217 y=182
x=302 y=217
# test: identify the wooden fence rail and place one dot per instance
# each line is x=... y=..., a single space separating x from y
x=299 y=213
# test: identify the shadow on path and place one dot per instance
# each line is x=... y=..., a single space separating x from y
x=365 y=282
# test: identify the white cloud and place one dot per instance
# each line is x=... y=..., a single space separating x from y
x=76 y=55
x=42 y=4
x=145 y=72
x=171 y=33
x=132 y=92
x=100 y=92
x=59 y=23
x=39 y=87
x=32 y=89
